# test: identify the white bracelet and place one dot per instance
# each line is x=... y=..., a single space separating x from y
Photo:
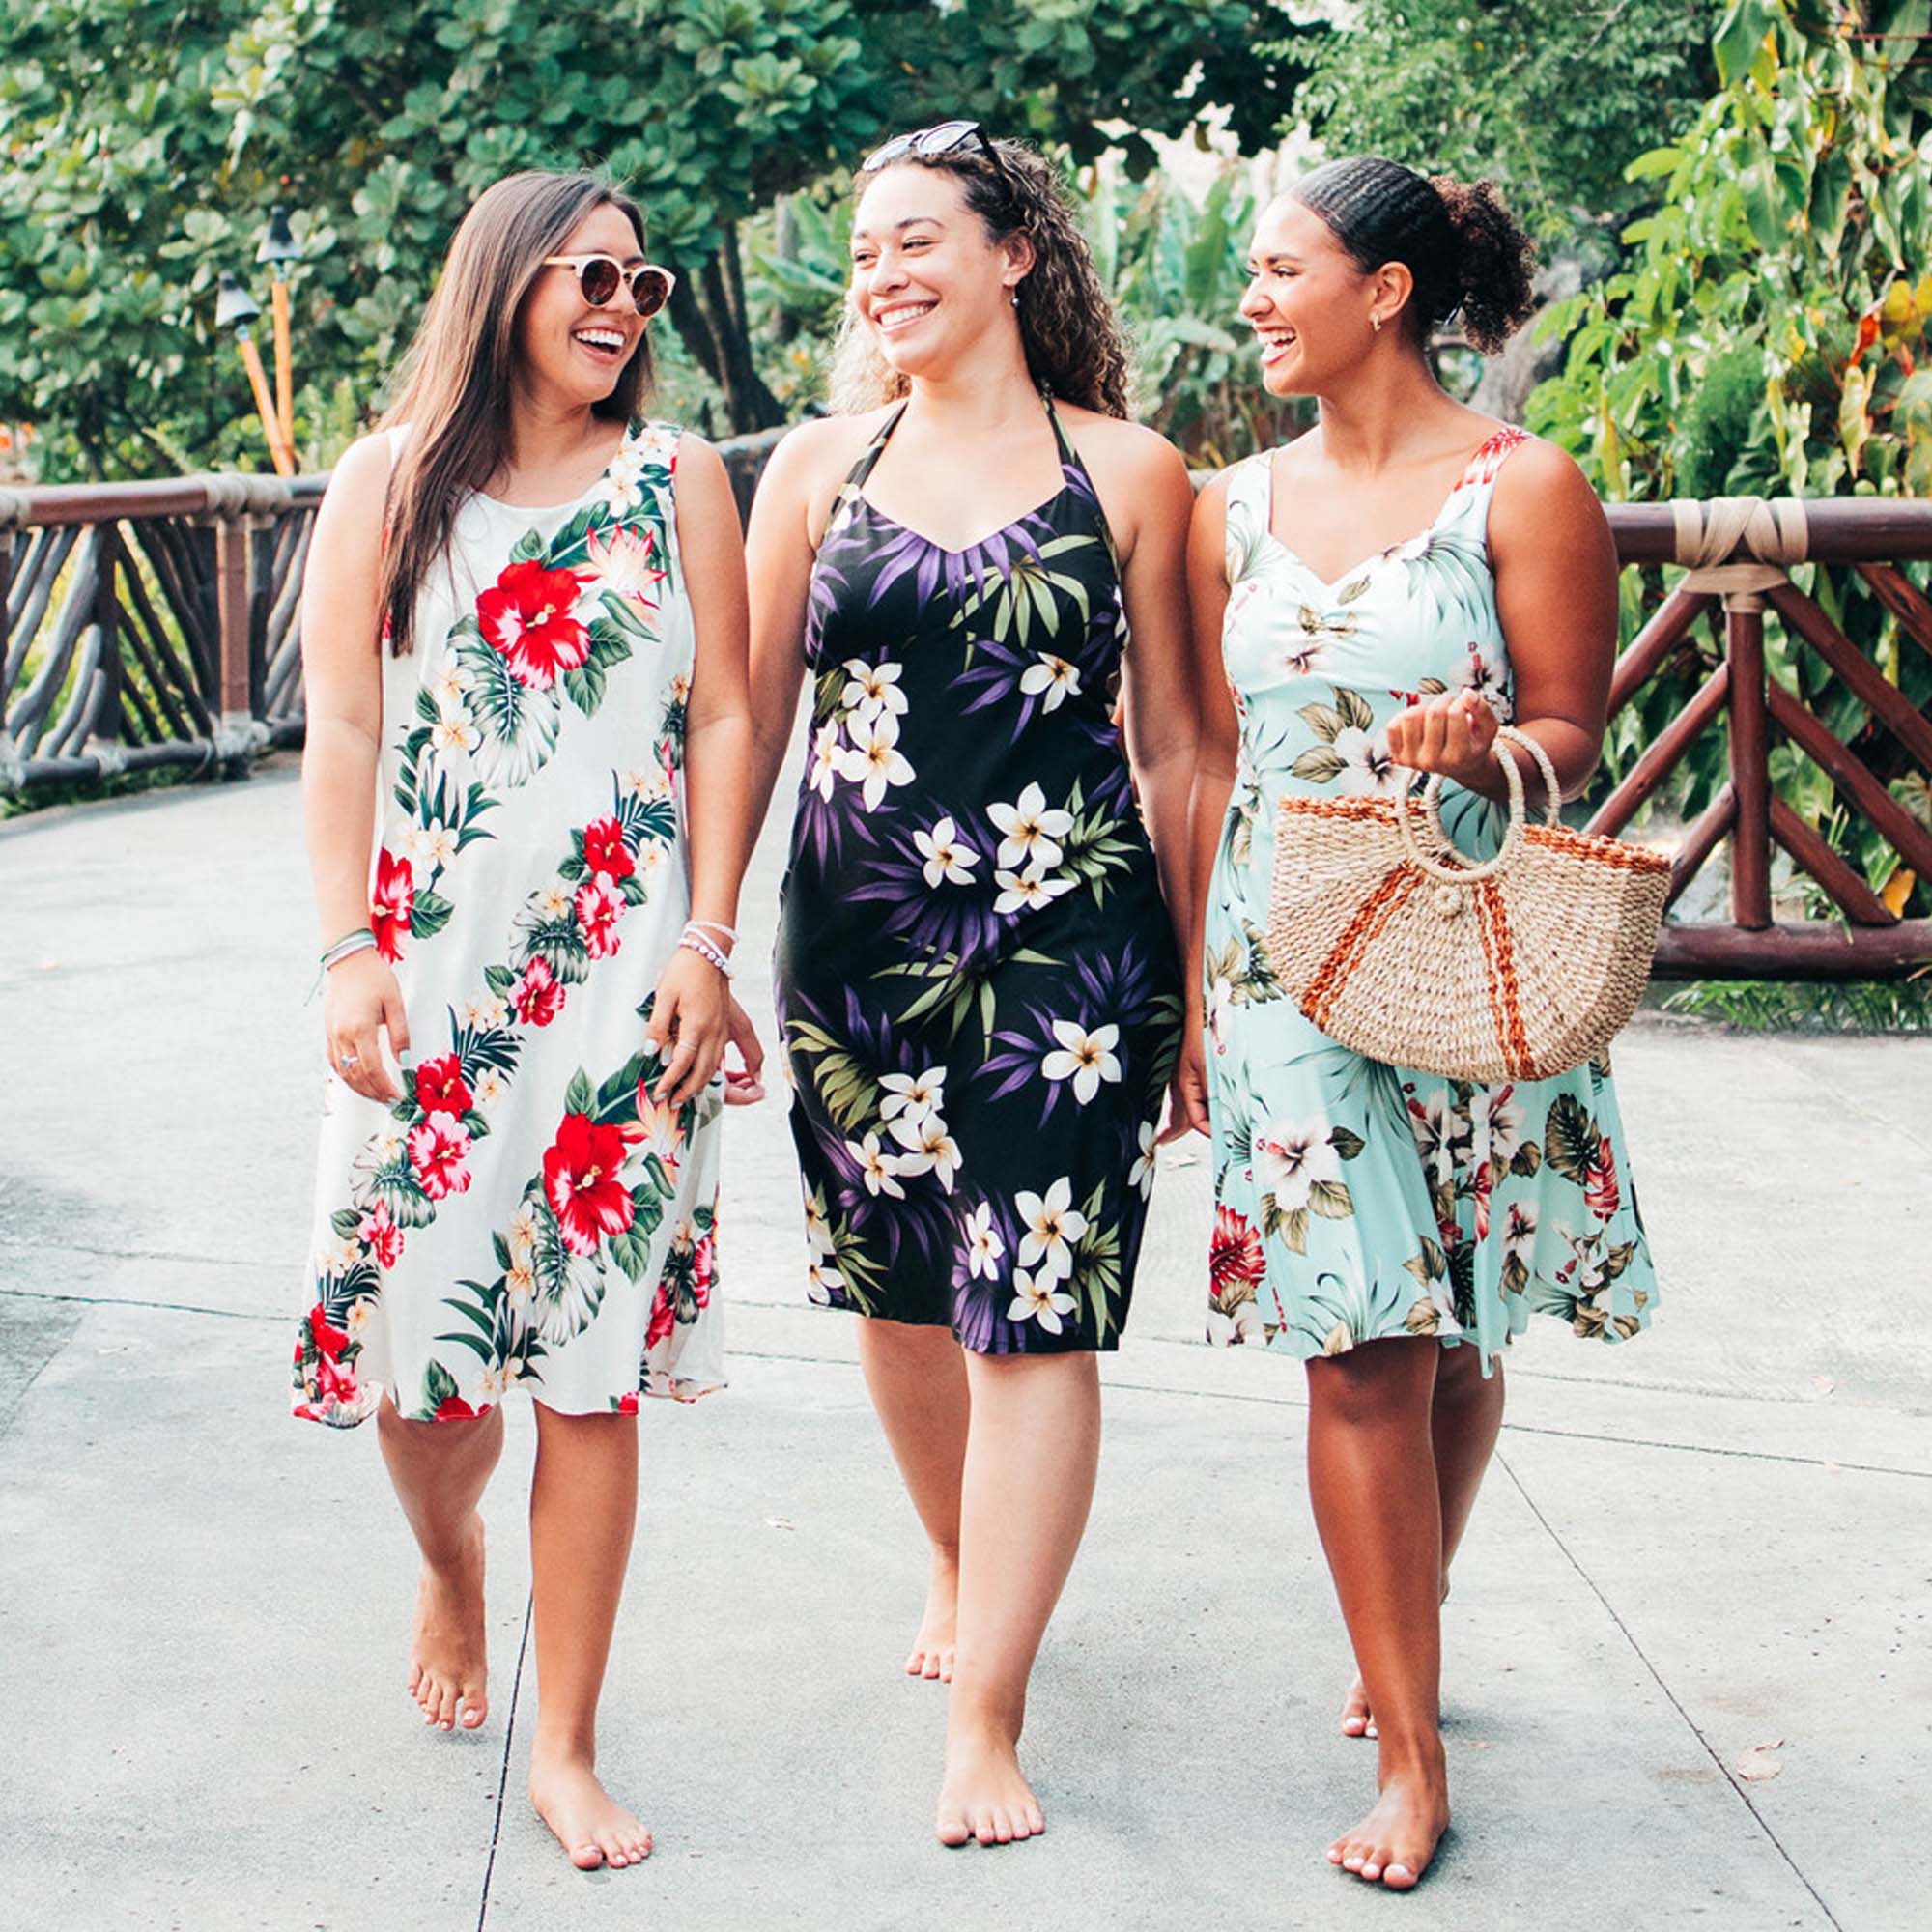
x=696 y=942
x=711 y=925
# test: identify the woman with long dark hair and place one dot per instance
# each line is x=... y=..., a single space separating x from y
x=1382 y=593
x=524 y=640
x=977 y=977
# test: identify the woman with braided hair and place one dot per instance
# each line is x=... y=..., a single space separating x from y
x=1382 y=593
x=978 y=975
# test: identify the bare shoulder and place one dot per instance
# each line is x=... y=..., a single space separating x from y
x=699 y=461
x=1538 y=485
x=359 y=487
x=1130 y=450
x=820 y=451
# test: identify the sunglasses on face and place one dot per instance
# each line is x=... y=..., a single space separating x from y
x=926 y=144
x=600 y=276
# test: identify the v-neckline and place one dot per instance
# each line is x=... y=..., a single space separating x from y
x=1329 y=585
x=1061 y=444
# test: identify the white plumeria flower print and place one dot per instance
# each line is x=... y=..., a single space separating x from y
x=983 y=1246
x=827 y=757
x=945 y=857
x=646 y=781
x=913 y=1095
x=1293 y=1155
x=930 y=1148
x=878 y=1170
x=490 y=1086
x=873 y=689
x=453 y=731
x=1141 y=1173
x=554 y=902
x=429 y=846
x=447 y=682
x=1028 y=892
x=1084 y=1058
x=520 y=1281
x=1366 y=764
x=1054 y=676
x=1039 y=1299
x=820 y=1279
x=1032 y=829
x=1220 y=1002
x=523 y=1229
x=818 y=1231
x=874 y=760
x=1053 y=1224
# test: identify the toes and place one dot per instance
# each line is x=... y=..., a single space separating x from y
x=935 y=1668
x=946 y=1666
x=475 y=1708
x=1399 y=1878
x=951 y=1830
x=586 y=1858
x=1036 y=1818
x=915 y=1665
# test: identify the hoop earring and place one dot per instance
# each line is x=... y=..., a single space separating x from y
x=1375 y=322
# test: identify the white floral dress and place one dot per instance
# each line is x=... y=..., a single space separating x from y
x=526 y=1214
x=1354 y=1199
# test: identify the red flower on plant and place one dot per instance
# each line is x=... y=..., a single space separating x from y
x=538 y=995
x=526 y=617
x=437 y=1149
x=1599 y=1182
x=380 y=1235
x=582 y=1184
x=440 y=1088
x=605 y=850
x=663 y=1316
x=599 y=907
x=393 y=904
x=1234 y=1257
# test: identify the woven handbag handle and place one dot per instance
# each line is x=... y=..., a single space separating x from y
x=1432 y=799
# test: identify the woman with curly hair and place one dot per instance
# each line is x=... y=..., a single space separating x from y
x=978 y=975
x=523 y=646
x=1380 y=594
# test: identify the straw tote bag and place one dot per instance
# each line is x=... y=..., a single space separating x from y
x=1397 y=946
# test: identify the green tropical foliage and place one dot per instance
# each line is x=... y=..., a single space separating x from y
x=1771 y=332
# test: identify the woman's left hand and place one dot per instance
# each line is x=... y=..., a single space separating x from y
x=691 y=1022
x=1452 y=734
x=1187 y=1092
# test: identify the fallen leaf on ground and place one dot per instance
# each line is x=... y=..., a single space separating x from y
x=1758 y=1764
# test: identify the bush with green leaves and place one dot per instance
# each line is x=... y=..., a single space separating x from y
x=1771 y=332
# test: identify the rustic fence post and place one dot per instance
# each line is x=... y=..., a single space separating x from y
x=13 y=508
x=237 y=506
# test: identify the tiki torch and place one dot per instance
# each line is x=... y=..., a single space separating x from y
x=236 y=309
x=280 y=247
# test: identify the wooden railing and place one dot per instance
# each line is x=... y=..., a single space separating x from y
x=158 y=623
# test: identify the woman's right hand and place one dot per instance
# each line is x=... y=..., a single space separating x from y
x=361 y=998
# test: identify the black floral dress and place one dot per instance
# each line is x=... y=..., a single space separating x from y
x=977 y=985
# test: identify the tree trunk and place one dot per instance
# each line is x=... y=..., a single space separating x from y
x=708 y=310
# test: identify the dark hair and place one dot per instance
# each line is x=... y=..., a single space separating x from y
x=457 y=374
x=1072 y=344
x=1457 y=239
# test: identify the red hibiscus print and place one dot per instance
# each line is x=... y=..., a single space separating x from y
x=605 y=850
x=538 y=995
x=334 y=1383
x=1234 y=1254
x=381 y=1236
x=663 y=1316
x=599 y=907
x=329 y=1341
x=582 y=1184
x=453 y=1409
x=703 y=1271
x=1600 y=1191
x=393 y=904
x=437 y=1149
x=440 y=1088
x=627 y=1405
x=526 y=617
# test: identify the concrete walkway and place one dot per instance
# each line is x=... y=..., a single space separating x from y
x=1711 y=1541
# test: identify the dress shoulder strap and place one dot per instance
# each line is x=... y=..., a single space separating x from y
x=869 y=457
x=1247 y=512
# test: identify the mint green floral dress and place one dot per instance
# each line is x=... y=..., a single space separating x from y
x=1354 y=1199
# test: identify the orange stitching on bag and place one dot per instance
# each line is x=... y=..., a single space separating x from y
x=1495 y=925
x=1599 y=851
x=1371 y=917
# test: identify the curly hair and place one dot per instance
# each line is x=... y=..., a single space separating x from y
x=1463 y=246
x=1072 y=344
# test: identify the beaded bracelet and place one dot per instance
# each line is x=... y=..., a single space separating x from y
x=696 y=942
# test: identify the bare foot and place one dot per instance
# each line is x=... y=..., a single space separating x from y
x=931 y=1655
x=449 y=1649
x=1395 y=1841
x=589 y=1823
x=1357 y=1719
x=982 y=1795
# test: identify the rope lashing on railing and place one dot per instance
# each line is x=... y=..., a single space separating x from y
x=1773 y=533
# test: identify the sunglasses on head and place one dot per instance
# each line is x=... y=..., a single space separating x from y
x=600 y=276
x=927 y=144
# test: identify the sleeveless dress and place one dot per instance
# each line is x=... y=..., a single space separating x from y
x=979 y=988
x=1354 y=1200
x=526 y=1214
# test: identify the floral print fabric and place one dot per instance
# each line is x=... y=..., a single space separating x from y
x=1354 y=1199
x=526 y=1213
x=977 y=984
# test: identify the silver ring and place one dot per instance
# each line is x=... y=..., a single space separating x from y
x=349 y=1059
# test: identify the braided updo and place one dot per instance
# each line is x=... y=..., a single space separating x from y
x=1073 y=348
x=1457 y=239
